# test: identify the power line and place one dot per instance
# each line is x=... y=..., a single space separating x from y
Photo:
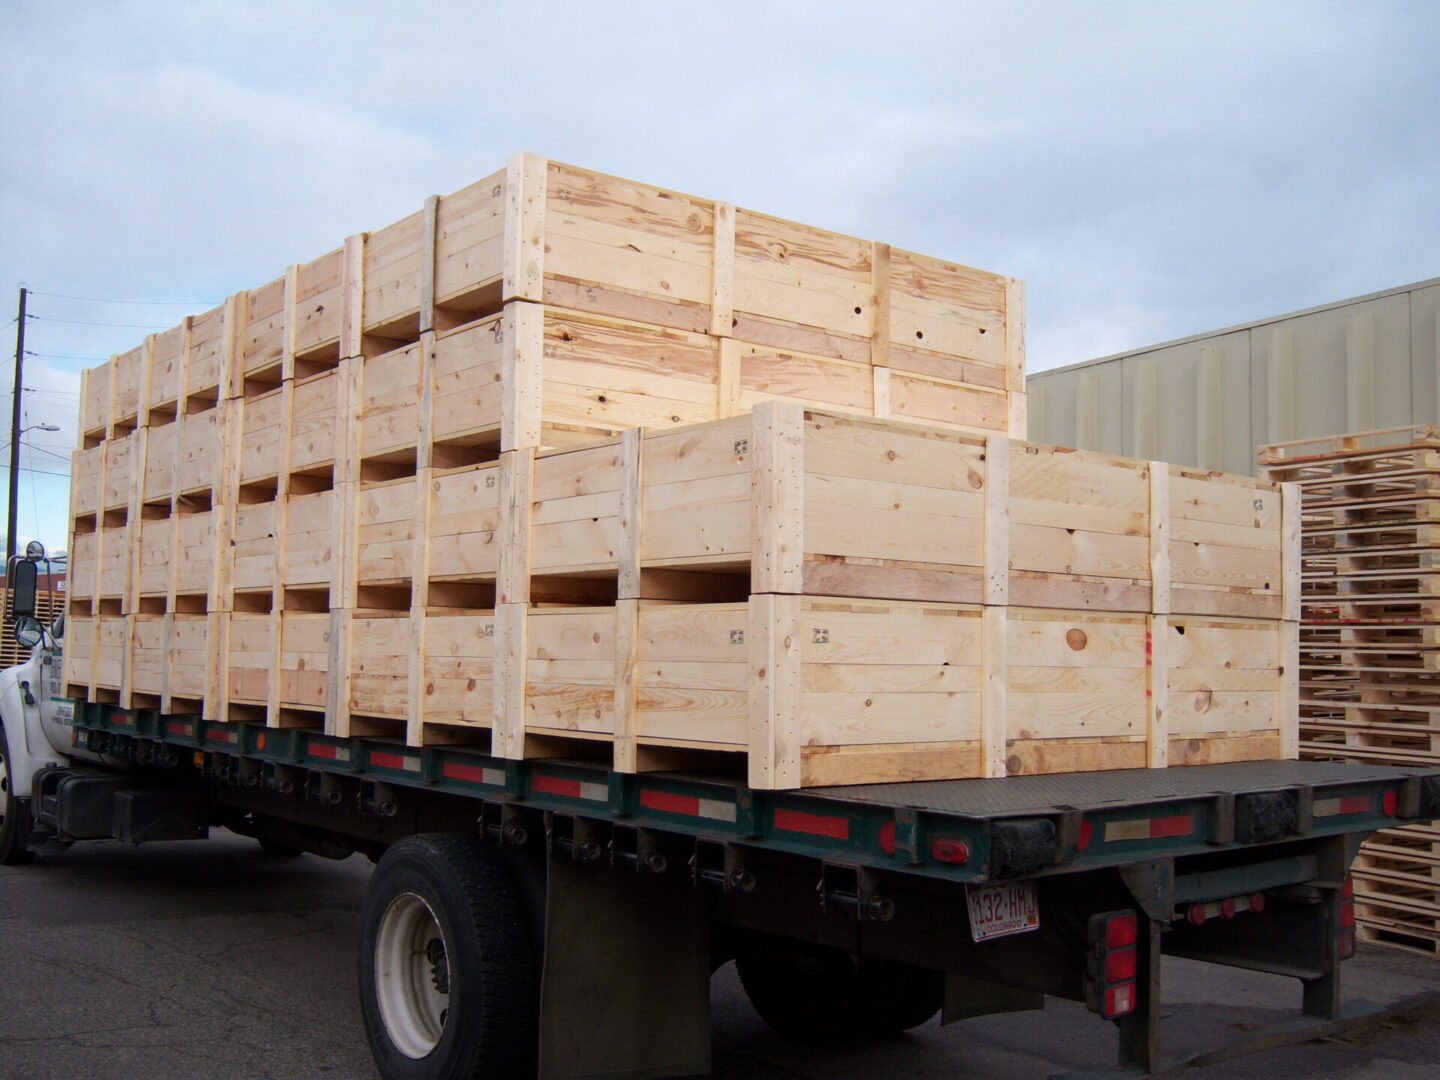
x=38 y=472
x=79 y=322
x=66 y=356
x=111 y=300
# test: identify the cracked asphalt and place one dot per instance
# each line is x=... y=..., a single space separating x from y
x=209 y=959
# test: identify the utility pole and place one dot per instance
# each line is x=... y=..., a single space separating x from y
x=15 y=429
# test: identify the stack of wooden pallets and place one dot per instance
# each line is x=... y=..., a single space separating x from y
x=1370 y=645
x=565 y=463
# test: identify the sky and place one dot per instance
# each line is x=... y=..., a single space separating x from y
x=1152 y=170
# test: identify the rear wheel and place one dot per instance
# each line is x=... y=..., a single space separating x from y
x=447 y=984
x=15 y=821
x=813 y=994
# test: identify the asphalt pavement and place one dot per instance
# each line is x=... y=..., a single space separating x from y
x=211 y=960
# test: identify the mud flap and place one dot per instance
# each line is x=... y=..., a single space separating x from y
x=626 y=987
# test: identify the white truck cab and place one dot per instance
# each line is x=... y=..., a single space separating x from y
x=35 y=717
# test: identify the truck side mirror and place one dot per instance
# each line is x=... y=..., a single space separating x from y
x=23 y=577
x=28 y=631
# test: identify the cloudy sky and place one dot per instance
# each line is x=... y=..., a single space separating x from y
x=1152 y=169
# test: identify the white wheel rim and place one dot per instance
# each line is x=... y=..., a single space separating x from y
x=412 y=975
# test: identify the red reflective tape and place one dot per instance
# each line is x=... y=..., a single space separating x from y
x=177 y=727
x=1356 y=804
x=321 y=750
x=555 y=785
x=1180 y=825
x=118 y=717
x=671 y=803
x=387 y=761
x=837 y=828
x=455 y=771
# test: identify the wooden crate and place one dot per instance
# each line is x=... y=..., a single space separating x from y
x=831 y=690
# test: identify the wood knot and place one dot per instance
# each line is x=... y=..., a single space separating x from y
x=1076 y=639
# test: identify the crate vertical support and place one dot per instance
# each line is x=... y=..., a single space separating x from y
x=420 y=549
x=997 y=520
x=1157 y=632
x=880 y=292
x=728 y=380
x=346 y=475
x=427 y=263
x=1015 y=356
x=524 y=259
x=994 y=683
x=773 y=639
x=508 y=739
x=182 y=415
x=282 y=491
x=777 y=493
x=627 y=606
x=722 y=273
x=1290 y=588
x=880 y=392
x=522 y=372
x=516 y=503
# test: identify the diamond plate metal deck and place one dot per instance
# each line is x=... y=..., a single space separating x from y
x=1095 y=790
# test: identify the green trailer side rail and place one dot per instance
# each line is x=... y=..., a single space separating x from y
x=962 y=831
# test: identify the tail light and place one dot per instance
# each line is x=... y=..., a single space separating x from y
x=1347 y=919
x=1114 y=964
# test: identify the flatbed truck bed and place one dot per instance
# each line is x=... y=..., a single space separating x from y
x=873 y=903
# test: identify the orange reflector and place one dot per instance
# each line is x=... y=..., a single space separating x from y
x=199 y=757
x=1388 y=802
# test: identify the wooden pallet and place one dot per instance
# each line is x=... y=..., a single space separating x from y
x=1370 y=643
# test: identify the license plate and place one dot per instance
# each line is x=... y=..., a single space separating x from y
x=997 y=910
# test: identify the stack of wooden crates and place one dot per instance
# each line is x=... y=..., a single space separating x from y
x=566 y=464
x=1370 y=643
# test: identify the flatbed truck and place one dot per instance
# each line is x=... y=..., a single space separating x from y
x=556 y=918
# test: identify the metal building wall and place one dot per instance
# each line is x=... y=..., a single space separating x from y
x=1355 y=365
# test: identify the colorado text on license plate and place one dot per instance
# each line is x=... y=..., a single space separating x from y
x=997 y=910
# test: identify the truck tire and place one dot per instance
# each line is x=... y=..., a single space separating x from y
x=15 y=822
x=809 y=993
x=447 y=981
